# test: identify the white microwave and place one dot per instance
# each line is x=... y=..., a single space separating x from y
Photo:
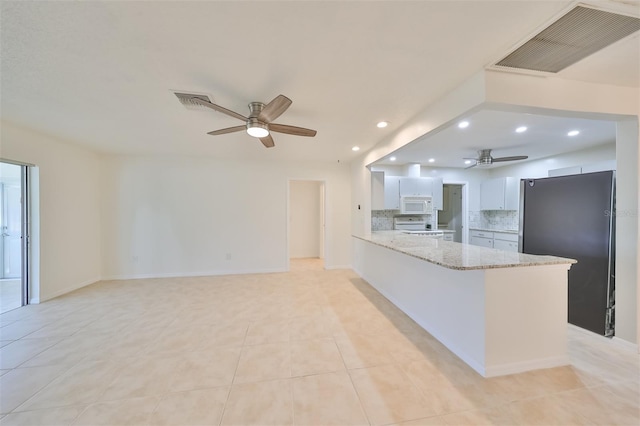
x=416 y=205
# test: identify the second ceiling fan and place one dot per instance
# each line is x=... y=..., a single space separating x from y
x=259 y=123
x=485 y=159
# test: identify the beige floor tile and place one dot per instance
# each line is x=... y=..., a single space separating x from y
x=47 y=417
x=144 y=376
x=309 y=327
x=388 y=396
x=20 y=351
x=429 y=421
x=205 y=369
x=326 y=399
x=83 y=384
x=18 y=329
x=359 y=351
x=232 y=333
x=264 y=362
x=135 y=411
x=69 y=351
x=545 y=410
x=197 y=407
x=20 y=384
x=260 y=333
x=262 y=403
x=487 y=416
x=314 y=357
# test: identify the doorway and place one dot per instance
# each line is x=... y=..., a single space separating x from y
x=452 y=216
x=13 y=216
x=306 y=226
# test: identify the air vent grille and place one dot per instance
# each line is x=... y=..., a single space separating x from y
x=186 y=99
x=574 y=36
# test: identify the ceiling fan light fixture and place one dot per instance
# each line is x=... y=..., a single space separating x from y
x=257 y=129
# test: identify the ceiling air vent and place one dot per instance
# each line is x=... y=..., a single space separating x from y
x=574 y=36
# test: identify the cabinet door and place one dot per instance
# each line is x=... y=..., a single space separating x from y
x=377 y=190
x=480 y=241
x=392 y=193
x=436 y=193
x=415 y=187
x=492 y=194
x=511 y=193
x=505 y=245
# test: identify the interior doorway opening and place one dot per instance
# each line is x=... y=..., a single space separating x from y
x=306 y=227
x=453 y=215
x=13 y=231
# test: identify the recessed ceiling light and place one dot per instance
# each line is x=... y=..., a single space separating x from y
x=392 y=159
x=573 y=133
x=431 y=160
x=463 y=124
x=467 y=162
x=521 y=129
x=355 y=148
x=382 y=124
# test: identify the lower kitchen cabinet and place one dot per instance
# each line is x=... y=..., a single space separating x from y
x=482 y=241
x=506 y=241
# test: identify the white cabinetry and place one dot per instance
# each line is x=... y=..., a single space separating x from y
x=387 y=190
x=416 y=187
x=392 y=193
x=498 y=240
x=505 y=241
x=481 y=238
x=500 y=194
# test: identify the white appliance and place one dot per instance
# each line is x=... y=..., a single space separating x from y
x=416 y=205
x=409 y=223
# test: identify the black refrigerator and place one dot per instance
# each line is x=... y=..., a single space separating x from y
x=573 y=216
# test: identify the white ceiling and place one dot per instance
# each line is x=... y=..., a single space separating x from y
x=101 y=73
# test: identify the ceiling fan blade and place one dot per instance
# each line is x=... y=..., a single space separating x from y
x=517 y=157
x=471 y=166
x=291 y=130
x=267 y=141
x=227 y=130
x=274 y=109
x=219 y=109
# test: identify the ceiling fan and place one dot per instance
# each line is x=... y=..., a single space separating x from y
x=485 y=158
x=258 y=124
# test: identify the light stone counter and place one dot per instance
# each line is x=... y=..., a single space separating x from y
x=457 y=255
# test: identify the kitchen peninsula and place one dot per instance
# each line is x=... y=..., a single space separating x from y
x=500 y=312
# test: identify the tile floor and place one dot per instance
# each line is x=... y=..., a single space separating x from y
x=307 y=347
x=10 y=294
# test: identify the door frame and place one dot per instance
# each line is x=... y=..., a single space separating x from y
x=465 y=207
x=323 y=219
x=29 y=279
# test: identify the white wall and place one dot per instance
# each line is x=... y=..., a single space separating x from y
x=69 y=207
x=600 y=154
x=304 y=219
x=199 y=216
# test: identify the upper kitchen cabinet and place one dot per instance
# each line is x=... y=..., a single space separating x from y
x=415 y=187
x=500 y=194
x=392 y=192
x=387 y=190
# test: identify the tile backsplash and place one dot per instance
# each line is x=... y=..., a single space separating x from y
x=494 y=219
x=382 y=220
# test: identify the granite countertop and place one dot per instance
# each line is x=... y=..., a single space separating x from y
x=457 y=255
x=505 y=231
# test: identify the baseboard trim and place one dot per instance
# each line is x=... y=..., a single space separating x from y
x=621 y=343
x=520 y=367
x=66 y=290
x=192 y=274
